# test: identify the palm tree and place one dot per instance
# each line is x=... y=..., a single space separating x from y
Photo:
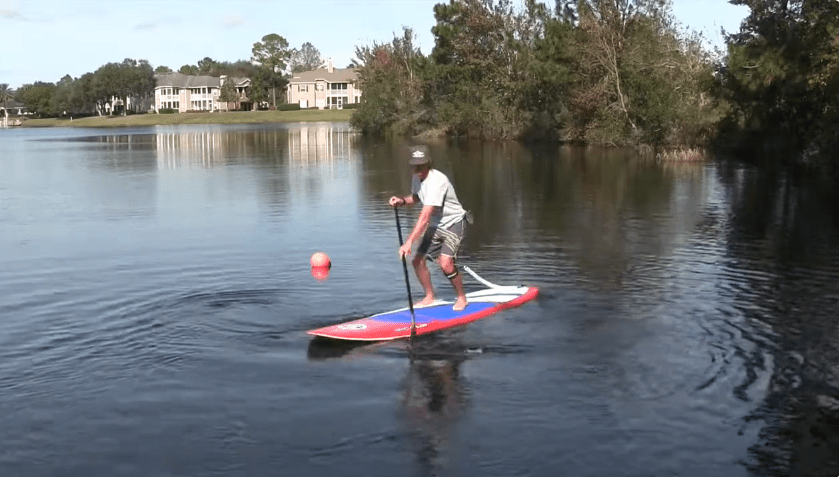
x=6 y=93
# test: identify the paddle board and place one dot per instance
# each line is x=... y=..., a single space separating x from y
x=438 y=316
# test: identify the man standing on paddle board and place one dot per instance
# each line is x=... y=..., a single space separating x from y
x=442 y=224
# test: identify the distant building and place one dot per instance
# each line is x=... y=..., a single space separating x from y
x=14 y=107
x=199 y=93
x=327 y=87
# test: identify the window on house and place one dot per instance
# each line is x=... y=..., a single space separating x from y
x=303 y=88
x=319 y=86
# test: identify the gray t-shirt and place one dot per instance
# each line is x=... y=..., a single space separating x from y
x=436 y=190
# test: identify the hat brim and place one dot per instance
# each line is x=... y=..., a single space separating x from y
x=418 y=161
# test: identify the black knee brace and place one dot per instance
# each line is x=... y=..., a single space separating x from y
x=451 y=276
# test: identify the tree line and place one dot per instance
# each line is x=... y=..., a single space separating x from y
x=598 y=71
x=89 y=93
x=781 y=80
x=616 y=72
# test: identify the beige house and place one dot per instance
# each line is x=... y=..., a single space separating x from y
x=198 y=93
x=327 y=87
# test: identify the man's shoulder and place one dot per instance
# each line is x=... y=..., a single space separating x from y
x=437 y=176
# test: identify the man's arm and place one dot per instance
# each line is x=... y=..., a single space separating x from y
x=422 y=222
x=400 y=201
x=419 y=229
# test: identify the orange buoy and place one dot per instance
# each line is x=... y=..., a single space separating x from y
x=320 y=260
x=320 y=273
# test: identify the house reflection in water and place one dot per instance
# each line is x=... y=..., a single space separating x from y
x=200 y=149
x=320 y=142
x=300 y=144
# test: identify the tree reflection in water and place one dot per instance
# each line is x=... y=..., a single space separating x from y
x=785 y=227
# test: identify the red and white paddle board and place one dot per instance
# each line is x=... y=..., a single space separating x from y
x=438 y=316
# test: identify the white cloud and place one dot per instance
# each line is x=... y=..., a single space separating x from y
x=231 y=21
x=10 y=10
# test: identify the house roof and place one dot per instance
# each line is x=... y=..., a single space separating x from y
x=240 y=81
x=178 y=80
x=337 y=76
x=12 y=103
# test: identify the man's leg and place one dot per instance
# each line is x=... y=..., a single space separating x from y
x=449 y=268
x=425 y=279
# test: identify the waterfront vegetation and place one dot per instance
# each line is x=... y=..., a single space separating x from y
x=229 y=117
x=614 y=72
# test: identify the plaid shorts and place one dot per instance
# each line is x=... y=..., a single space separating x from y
x=442 y=241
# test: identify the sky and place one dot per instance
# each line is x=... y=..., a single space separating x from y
x=43 y=40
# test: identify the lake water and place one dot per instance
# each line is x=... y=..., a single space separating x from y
x=156 y=291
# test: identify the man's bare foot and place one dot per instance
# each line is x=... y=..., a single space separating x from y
x=425 y=302
x=460 y=304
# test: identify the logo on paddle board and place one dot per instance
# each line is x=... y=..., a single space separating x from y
x=353 y=326
x=419 y=325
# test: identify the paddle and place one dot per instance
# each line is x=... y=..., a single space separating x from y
x=407 y=281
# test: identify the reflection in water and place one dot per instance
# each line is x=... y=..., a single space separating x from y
x=320 y=142
x=783 y=246
x=194 y=149
x=302 y=144
x=435 y=397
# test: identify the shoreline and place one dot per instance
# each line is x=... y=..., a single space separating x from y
x=227 y=117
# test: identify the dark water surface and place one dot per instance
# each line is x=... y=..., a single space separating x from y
x=156 y=292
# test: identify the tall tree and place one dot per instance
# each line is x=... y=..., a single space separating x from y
x=142 y=80
x=635 y=78
x=478 y=56
x=307 y=58
x=163 y=69
x=82 y=99
x=547 y=86
x=61 y=100
x=238 y=68
x=782 y=72
x=206 y=66
x=121 y=80
x=272 y=54
x=393 y=86
x=227 y=92
x=37 y=97
x=6 y=93
x=188 y=70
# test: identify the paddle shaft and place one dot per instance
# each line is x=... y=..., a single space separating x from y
x=405 y=269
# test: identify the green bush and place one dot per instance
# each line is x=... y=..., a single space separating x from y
x=288 y=107
x=351 y=106
x=167 y=111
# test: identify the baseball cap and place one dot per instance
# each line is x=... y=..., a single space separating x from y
x=419 y=156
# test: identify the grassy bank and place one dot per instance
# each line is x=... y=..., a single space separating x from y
x=231 y=117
